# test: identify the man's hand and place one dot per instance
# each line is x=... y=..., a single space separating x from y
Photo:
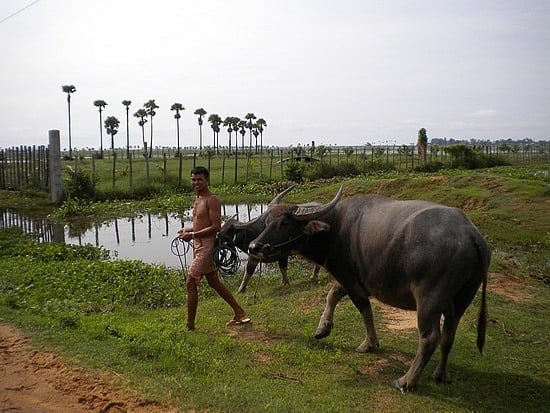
x=185 y=234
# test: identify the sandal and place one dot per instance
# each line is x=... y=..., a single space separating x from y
x=234 y=322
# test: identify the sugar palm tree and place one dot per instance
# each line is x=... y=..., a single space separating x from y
x=201 y=112
x=235 y=122
x=150 y=106
x=127 y=104
x=242 y=130
x=111 y=127
x=100 y=104
x=261 y=125
x=255 y=132
x=215 y=122
x=177 y=107
x=142 y=115
x=250 y=117
x=227 y=122
x=68 y=89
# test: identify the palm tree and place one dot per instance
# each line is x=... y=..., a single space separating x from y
x=201 y=112
x=111 y=126
x=127 y=103
x=142 y=115
x=255 y=132
x=235 y=122
x=68 y=89
x=150 y=106
x=422 y=143
x=261 y=125
x=100 y=104
x=250 y=117
x=177 y=107
x=242 y=130
x=228 y=122
x=215 y=122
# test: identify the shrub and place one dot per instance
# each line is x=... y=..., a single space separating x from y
x=432 y=166
x=294 y=171
x=78 y=184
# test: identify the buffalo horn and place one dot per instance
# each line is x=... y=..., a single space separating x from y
x=278 y=198
x=303 y=213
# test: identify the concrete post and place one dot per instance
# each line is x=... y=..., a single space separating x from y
x=56 y=183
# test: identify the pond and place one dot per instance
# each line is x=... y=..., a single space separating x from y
x=147 y=237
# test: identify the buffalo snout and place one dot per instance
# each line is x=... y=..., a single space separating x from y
x=259 y=249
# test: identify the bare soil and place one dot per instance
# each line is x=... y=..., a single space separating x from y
x=38 y=381
x=33 y=381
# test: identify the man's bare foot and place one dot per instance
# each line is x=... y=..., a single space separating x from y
x=190 y=327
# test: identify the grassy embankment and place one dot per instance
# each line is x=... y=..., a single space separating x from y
x=127 y=317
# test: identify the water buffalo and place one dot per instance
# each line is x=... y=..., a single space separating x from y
x=242 y=233
x=413 y=255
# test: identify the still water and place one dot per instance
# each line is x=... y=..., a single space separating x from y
x=147 y=238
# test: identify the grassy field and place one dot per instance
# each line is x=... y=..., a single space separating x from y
x=128 y=317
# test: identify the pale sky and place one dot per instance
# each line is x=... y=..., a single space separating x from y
x=346 y=72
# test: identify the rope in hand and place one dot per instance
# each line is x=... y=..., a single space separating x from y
x=180 y=248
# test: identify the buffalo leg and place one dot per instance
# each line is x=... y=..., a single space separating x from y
x=429 y=317
x=283 y=267
x=250 y=268
x=359 y=297
x=326 y=322
x=315 y=273
x=371 y=339
x=452 y=317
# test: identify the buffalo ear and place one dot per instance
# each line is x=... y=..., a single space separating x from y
x=316 y=226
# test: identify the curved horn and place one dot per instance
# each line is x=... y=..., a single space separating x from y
x=303 y=213
x=278 y=198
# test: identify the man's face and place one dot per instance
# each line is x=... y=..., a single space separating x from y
x=199 y=182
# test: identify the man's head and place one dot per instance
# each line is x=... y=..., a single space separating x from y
x=200 y=170
x=200 y=177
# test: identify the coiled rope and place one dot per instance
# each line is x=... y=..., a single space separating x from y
x=180 y=248
x=226 y=258
x=225 y=255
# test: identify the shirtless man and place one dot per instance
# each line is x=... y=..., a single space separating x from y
x=206 y=224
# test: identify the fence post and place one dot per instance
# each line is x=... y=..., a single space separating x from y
x=56 y=184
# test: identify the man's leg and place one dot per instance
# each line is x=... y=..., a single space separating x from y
x=215 y=282
x=192 y=302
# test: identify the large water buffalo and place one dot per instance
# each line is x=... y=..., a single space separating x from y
x=413 y=255
x=241 y=234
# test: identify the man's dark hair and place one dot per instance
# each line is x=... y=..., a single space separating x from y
x=200 y=170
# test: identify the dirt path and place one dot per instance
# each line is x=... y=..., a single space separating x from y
x=33 y=381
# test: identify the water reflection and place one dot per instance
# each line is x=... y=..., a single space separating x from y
x=146 y=237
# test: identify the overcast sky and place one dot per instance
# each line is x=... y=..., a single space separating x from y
x=346 y=72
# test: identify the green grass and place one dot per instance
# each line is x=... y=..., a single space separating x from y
x=129 y=318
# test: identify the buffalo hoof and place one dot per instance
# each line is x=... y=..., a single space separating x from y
x=367 y=346
x=402 y=388
x=441 y=378
x=323 y=331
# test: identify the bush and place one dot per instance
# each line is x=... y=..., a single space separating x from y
x=471 y=157
x=78 y=185
x=432 y=166
x=294 y=171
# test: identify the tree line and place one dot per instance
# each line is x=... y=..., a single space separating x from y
x=255 y=126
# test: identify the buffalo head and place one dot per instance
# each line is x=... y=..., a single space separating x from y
x=288 y=225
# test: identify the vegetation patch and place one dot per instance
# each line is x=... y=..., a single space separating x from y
x=128 y=317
